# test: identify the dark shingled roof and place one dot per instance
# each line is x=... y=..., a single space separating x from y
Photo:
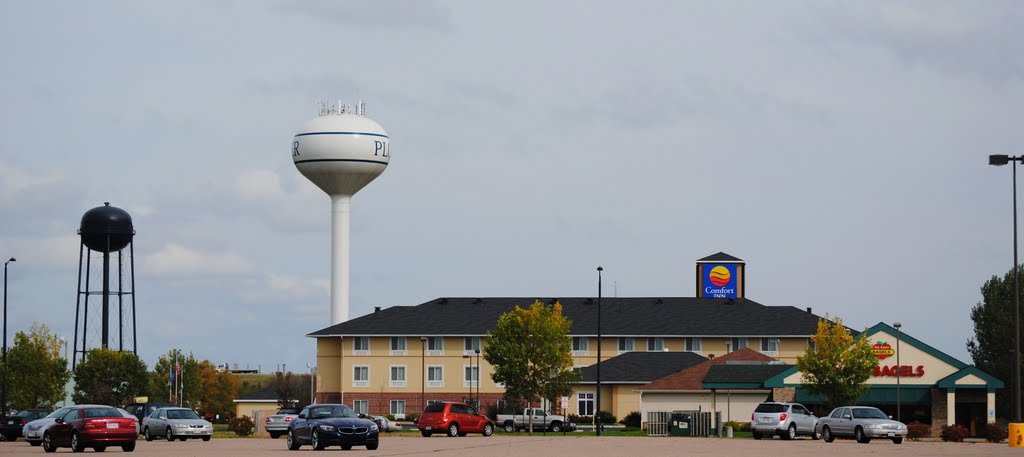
x=638 y=316
x=743 y=373
x=720 y=257
x=640 y=367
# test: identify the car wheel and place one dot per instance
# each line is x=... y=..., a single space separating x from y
x=815 y=435
x=315 y=441
x=148 y=434
x=826 y=434
x=858 y=434
x=76 y=443
x=556 y=427
x=453 y=430
x=510 y=427
x=207 y=438
x=425 y=433
x=170 y=436
x=99 y=448
x=488 y=429
x=757 y=436
x=48 y=443
x=130 y=447
x=897 y=440
x=292 y=444
x=790 y=432
x=372 y=446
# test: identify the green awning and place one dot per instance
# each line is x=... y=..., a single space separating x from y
x=876 y=396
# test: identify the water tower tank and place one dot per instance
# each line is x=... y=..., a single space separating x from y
x=104 y=223
x=341 y=151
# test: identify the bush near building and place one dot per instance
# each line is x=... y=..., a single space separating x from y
x=242 y=426
x=955 y=433
x=917 y=430
x=996 y=432
x=631 y=420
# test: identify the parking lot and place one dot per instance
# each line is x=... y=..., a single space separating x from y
x=572 y=445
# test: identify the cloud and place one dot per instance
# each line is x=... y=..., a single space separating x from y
x=43 y=252
x=299 y=286
x=175 y=260
x=259 y=184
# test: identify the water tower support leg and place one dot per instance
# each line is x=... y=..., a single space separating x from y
x=341 y=210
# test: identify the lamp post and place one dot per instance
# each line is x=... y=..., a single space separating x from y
x=478 y=370
x=3 y=394
x=423 y=372
x=899 y=369
x=999 y=160
x=471 y=376
x=64 y=342
x=312 y=383
x=597 y=405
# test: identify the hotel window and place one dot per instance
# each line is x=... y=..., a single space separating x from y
x=398 y=408
x=471 y=345
x=626 y=345
x=435 y=376
x=471 y=376
x=737 y=344
x=435 y=345
x=693 y=344
x=397 y=375
x=361 y=406
x=580 y=346
x=398 y=345
x=770 y=346
x=361 y=376
x=585 y=404
x=361 y=345
x=656 y=344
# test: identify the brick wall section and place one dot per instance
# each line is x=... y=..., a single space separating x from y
x=938 y=411
x=784 y=394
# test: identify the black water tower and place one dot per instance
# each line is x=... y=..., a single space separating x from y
x=107 y=230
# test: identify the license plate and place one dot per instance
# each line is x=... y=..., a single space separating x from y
x=891 y=434
x=429 y=427
x=111 y=424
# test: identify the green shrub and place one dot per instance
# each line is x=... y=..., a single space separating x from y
x=390 y=417
x=412 y=417
x=242 y=426
x=607 y=418
x=738 y=426
x=631 y=420
x=917 y=430
x=995 y=433
x=955 y=433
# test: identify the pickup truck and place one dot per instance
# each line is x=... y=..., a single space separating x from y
x=541 y=421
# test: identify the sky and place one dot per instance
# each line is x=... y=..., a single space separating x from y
x=839 y=148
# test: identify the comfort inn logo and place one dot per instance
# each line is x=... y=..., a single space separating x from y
x=722 y=278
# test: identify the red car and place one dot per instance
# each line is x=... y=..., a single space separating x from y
x=455 y=419
x=94 y=426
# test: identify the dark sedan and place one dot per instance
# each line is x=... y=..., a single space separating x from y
x=332 y=425
x=11 y=426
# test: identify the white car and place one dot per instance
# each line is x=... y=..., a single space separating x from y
x=180 y=423
x=33 y=431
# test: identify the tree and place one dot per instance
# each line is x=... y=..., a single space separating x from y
x=292 y=390
x=36 y=372
x=531 y=352
x=186 y=387
x=992 y=345
x=837 y=364
x=109 y=377
x=219 y=390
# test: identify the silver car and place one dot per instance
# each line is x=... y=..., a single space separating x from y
x=788 y=420
x=180 y=423
x=277 y=424
x=861 y=423
x=33 y=431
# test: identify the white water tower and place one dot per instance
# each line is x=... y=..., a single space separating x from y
x=341 y=151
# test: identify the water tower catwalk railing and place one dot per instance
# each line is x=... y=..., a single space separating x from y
x=106 y=230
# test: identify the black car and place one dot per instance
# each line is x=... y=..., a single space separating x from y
x=143 y=410
x=332 y=425
x=10 y=426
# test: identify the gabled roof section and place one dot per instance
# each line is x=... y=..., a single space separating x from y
x=620 y=316
x=968 y=377
x=907 y=339
x=640 y=367
x=692 y=378
x=741 y=376
x=720 y=257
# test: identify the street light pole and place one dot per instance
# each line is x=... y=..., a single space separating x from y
x=999 y=160
x=478 y=376
x=467 y=356
x=423 y=373
x=597 y=405
x=899 y=369
x=3 y=395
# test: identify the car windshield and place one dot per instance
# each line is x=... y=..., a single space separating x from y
x=101 y=412
x=868 y=413
x=770 y=408
x=181 y=414
x=58 y=413
x=321 y=412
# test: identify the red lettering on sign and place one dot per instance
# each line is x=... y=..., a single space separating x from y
x=903 y=371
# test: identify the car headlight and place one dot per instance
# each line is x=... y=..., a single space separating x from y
x=326 y=428
x=34 y=427
x=373 y=427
